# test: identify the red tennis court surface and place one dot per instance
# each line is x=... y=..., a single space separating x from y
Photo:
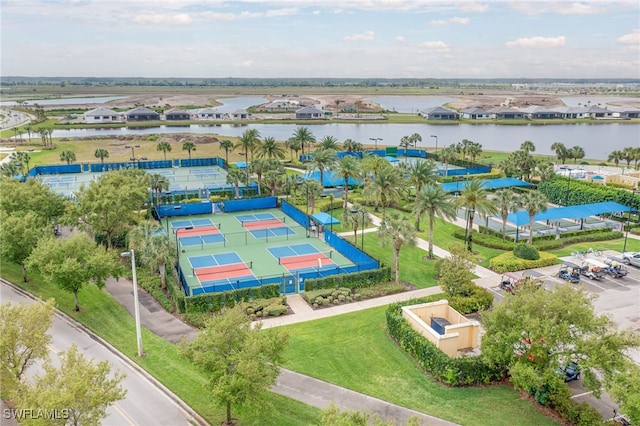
x=305 y=261
x=200 y=230
x=234 y=270
x=262 y=224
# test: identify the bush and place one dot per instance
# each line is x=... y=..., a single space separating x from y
x=526 y=251
x=353 y=280
x=507 y=262
x=151 y=284
x=480 y=300
x=214 y=302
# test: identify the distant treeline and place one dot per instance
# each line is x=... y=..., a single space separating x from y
x=305 y=82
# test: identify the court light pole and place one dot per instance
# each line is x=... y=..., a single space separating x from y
x=435 y=136
x=566 y=197
x=133 y=152
x=362 y=229
x=375 y=141
x=177 y=246
x=626 y=235
x=136 y=305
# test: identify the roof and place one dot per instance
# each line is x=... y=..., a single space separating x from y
x=438 y=109
x=208 y=111
x=240 y=164
x=176 y=111
x=309 y=110
x=142 y=110
x=101 y=111
x=535 y=109
x=240 y=111
x=504 y=110
x=325 y=219
x=488 y=184
x=474 y=110
x=571 y=212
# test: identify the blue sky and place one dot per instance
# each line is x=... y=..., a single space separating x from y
x=328 y=38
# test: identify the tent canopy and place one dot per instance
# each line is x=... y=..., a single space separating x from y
x=570 y=212
x=487 y=183
x=240 y=164
x=325 y=219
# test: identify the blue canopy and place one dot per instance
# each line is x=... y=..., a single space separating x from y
x=240 y=164
x=330 y=178
x=325 y=219
x=488 y=184
x=570 y=212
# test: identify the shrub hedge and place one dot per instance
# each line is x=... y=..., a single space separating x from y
x=452 y=371
x=151 y=284
x=480 y=299
x=214 y=302
x=526 y=251
x=583 y=192
x=508 y=262
x=493 y=239
x=353 y=280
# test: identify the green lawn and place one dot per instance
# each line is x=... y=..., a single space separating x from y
x=354 y=351
x=106 y=317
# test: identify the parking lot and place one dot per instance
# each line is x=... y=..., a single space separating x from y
x=619 y=298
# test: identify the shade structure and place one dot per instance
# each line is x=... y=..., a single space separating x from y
x=240 y=164
x=325 y=219
x=571 y=212
x=487 y=183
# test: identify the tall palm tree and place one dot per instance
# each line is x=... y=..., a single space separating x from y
x=23 y=158
x=270 y=149
x=506 y=202
x=577 y=153
x=435 y=202
x=533 y=202
x=348 y=167
x=273 y=179
x=475 y=199
x=371 y=166
x=165 y=147
x=447 y=155
x=616 y=156
x=475 y=150
x=101 y=153
x=303 y=135
x=293 y=145
x=329 y=142
x=247 y=141
x=405 y=142
x=259 y=167
x=523 y=162
x=422 y=173
x=415 y=138
x=311 y=189
x=29 y=129
x=154 y=249
x=158 y=183
x=189 y=146
x=636 y=157
x=352 y=219
x=397 y=230
x=386 y=186
x=68 y=156
x=227 y=145
x=560 y=150
x=627 y=155
x=236 y=176
x=350 y=145
x=528 y=146
x=323 y=159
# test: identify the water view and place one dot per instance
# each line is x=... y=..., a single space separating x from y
x=67 y=101
x=409 y=104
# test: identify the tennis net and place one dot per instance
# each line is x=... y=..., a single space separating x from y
x=306 y=258
x=225 y=270
x=266 y=223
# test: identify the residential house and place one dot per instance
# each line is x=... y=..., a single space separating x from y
x=102 y=115
x=282 y=105
x=142 y=114
x=475 y=114
x=599 y=112
x=439 y=113
x=209 y=114
x=240 y=114
x=624 y=112
x=177 y=114
x=535 y=112
x=573 y=112
x=309 y=112
x=504 y=113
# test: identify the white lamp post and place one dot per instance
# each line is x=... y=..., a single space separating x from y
x=435 y=136
x=136 y=305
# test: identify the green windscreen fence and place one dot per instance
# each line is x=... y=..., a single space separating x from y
x=391 y=151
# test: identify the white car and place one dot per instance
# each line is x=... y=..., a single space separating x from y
x=631 y=258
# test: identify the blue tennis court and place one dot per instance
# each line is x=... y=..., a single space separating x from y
x=214 y=260
x=198 y=240
x=258 y=217
x=196 y=223
x=293 y=250
x=272 y=232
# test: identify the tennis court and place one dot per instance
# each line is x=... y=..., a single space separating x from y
x=303 y=257
x=220 y=271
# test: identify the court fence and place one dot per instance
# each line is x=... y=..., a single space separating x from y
x=350 y=251
x=245 y=238
x=291 y=211
x=250 y=204
x=354 y=280
x=57 y=169
x=172 y=210
x=214 y=302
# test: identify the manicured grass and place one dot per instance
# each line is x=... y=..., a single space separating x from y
x=106 y=317
x=354 y=351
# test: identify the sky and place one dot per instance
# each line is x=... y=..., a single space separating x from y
x=320 y=38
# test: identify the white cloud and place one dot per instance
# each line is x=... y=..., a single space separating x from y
x=399 y=39
x=537 y=42
x=282 y=12
x=559 y=7
x=454 y=20
x=473 y=7
x=315 y=12
x=438 y=46
x=365 y=36
x=438 y=22
x=632 y=38
x=153 y=18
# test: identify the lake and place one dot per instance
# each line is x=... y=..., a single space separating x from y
x=67 y=101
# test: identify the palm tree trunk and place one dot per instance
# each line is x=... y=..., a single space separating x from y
x=396 y=264
x=504 y=228
x=24 y=272
x=75 y=297
x=530 y=229
x=431 y=236
x=229 y=413
x=346 y=191
x=470 y=225
x=418 y=222
x=163 y=276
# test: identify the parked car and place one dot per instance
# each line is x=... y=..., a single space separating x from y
x=571 y=371
x=631 y=258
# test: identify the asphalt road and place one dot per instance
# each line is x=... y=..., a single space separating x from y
x=145 y=404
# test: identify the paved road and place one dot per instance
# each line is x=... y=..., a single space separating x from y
x=146 y=403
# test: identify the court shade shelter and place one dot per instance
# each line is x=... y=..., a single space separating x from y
x=325 y=219
x=487 y=183
x=571 y=212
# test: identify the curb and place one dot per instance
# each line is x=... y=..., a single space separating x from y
x=195 y=418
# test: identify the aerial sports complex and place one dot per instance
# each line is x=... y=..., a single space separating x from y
x=255 y=240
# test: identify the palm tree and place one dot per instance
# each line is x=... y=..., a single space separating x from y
x=436 y=202
x=616 y=157
x=101 y=153
x=506 y=202
x=329 y=142
x=475 y=150
x=523 y=162
x=358 y=105
x=447 y=155
x=627 y=155
x=577 y=152
x=274 y=179
x=422 y=173
x=560 y=150
x=474 y=198
x=189 y=146
x=29 y=129
x=155 y=250
x=405 y=142
x=270 y=149
x=386 y=186
x=248 y=140
x=415 y=138
x=350 y=145
x=165 y=147
x=259 y=167
x=234 y=177
x=352 y=219
x=226 y=145
x=348 y=167
x=68 y=156
x=158 y=183
x=533 y=202
x=323 y=159
x=21 y=159
x=303 y=135
x=528 y=146
x=371 y=165
x=397 y=230
x=636 y=157
x=311 y=189
x=293 y=145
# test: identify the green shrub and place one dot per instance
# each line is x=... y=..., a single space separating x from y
x=214 y=302
x=480 y=300
x=507 y=262
x=526 y=251
x=275 y=310
x=151 y=284
x=353 y=280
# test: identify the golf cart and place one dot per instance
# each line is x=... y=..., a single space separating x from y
x=569 y=273
x=615 y=268
x=593 y=269
x=571 y=371
x=510 y=281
